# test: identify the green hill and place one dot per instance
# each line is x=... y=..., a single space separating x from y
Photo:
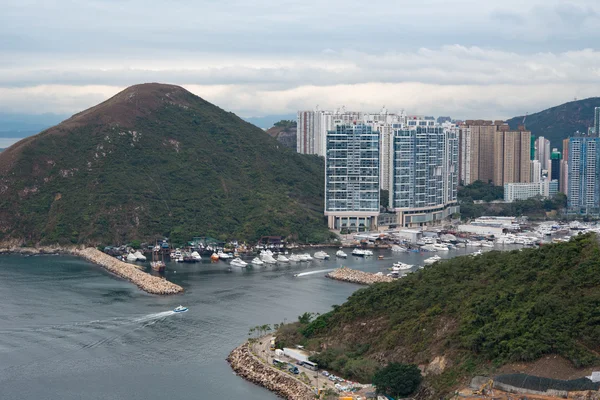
x=558 y=123
x=475 y=313
x=157 y=160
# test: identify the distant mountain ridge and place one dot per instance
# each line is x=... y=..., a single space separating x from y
x=560 y=122
x=156 y=160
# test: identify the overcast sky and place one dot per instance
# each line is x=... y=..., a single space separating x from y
x=468 y=59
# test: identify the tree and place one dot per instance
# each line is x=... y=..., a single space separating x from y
x=397 y=380
x=136 y=244
x=305 y=318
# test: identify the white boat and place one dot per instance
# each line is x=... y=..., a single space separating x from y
x=341 y=254
x=295 y=258
x=131 y=257
x=139 y=256
x=398 y=249
x=429 y=247
x=486 y=244
x=224 y=256
x=368 y=253
x=321 y=255
x=238 y=262
x=307 y=257
x=267 y=257
x=440 y=247
x=477 y=253
x=358 y=252
x=401 y=266
x=257 y=261
x=432 y=260
x=196 y=256
x=180 y=309
x=282 y=258
x=473 y=243
x=180 y=258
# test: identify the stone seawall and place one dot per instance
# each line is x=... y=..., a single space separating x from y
x=249 y=367
x=146 y=282
x=351 y=275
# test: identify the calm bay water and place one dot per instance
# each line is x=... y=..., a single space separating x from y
x=69 y=330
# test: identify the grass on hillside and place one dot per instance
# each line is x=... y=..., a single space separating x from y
x=480 y=312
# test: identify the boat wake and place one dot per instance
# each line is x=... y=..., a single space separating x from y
x=151 y=317
x=313 y=272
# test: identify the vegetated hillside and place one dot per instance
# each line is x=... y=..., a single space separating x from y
x=475 y=312
x=157 y=160
x=560 y=122
x=285 y=133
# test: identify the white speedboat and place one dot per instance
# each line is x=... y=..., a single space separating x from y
x=238 y=262
x=180 y=309
x=486 y=244
x=224 y=256
x=257 y=261
x=283 y=259
x=139 y=256
x=358 y=252
x=196 y=256
x=368 y=253
x=440 y=247
x=401 y=266
x=131 y=257
x=321 y=255
x=341 y=254
x=399 y=249
x=477 y=253
x=306 y=257
x=267 y=257
x=429 y=247
x=295 y=258
x=432 y=260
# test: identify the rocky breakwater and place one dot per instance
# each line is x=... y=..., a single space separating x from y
x=146 y=282
x=351 y=275
x=251 y=368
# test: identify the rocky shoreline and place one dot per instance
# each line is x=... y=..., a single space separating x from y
x=354 y=276
x=249 y=367
x=146 y=282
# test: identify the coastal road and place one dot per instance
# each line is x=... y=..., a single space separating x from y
x=262 y=349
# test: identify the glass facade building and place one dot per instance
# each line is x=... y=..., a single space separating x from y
x=425 y=173
x=584 y=177
x=352 y=177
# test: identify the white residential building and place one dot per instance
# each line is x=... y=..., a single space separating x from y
x=523 y=191
x=352 y=178
x=425 y=172
x=536 y=171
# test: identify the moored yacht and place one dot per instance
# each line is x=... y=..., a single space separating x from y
x=257 y=261
x=358 y=252
x=341 y=254
x=432 y=260
x=238 y=262
x=283 y=259
x=295 y=258
x=321 y=255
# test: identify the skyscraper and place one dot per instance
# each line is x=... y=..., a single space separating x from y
x=597 y=121
x=564 y=168
x=542 y=151
x=352 y=177
x=584 y=174
x=511 y=156
x=555 y=159
x=425 y=173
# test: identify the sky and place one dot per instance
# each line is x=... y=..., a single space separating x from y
x=467 y=59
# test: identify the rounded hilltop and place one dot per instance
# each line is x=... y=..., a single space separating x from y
x=155 y=160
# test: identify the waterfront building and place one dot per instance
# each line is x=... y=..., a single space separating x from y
x=583 y=183
x=523 y=191
x=425 y=172
x=352 y=182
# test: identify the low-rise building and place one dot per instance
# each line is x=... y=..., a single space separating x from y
x=524 y=191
